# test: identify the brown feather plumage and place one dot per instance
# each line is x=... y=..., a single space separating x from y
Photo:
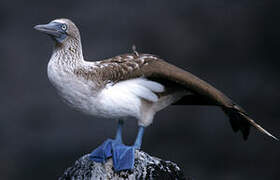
x=122 y=68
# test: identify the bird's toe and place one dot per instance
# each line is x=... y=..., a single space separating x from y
x=122 y=155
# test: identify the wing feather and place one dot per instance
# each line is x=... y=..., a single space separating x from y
x=204 y=94
x=131 y=66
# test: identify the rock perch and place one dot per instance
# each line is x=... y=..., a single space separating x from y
x=145 y=167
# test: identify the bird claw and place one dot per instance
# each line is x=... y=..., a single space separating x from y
x=102 y=152
x=122 y=155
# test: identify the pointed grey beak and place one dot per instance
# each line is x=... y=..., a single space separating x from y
x=51 y=29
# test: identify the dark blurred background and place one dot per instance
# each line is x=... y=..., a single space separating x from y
x=234 y=45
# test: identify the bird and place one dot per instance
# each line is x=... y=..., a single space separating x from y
x=128 y=86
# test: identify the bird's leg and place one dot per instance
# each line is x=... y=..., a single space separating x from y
x=119 y=132
x=138 y=141
x=104 y=151
x=122 y=155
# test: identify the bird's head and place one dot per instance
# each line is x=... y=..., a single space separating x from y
x=61 y=30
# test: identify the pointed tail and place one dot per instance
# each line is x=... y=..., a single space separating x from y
x=239 y=120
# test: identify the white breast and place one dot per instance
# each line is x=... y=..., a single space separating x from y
x=76 y=92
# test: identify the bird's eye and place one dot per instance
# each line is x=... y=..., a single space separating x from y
x=64 y=27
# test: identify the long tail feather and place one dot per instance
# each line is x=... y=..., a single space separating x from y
x=258 y=127
x=241 y=121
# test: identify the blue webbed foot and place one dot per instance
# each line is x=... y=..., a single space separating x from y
x=122 y=155
x=102 y=152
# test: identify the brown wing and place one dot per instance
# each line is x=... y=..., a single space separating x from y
x=203 y=94
x=132 y=66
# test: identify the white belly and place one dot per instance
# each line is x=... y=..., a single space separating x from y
x=116 y=101
x=73 y=90
x=81 y=95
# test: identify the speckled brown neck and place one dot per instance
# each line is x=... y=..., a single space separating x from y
x=68 y=53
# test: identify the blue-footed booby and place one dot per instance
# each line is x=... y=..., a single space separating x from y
x=132 y=85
